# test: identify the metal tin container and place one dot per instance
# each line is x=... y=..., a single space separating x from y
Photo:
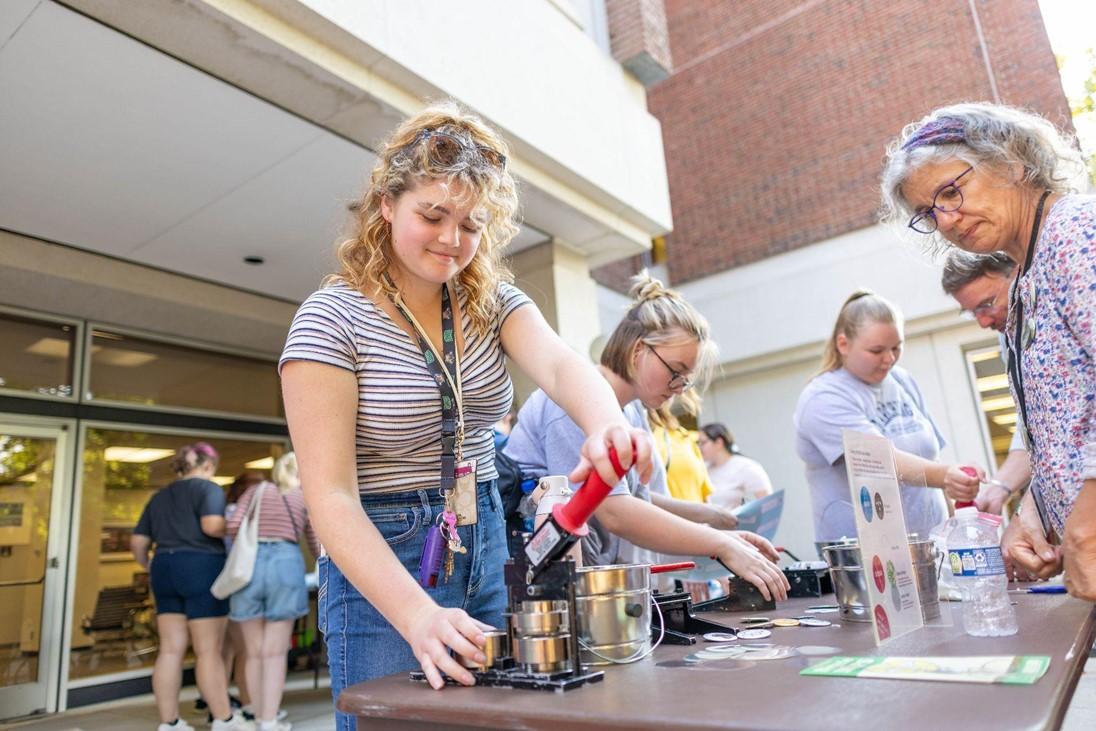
x=850 y=581
x=542 y=654
x=538 y=624
x=496 y=647
x=613 y=604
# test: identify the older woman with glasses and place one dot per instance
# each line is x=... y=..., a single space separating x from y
x=988 y=178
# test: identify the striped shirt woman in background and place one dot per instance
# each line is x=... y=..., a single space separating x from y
x=267 y=607
x=365 y=411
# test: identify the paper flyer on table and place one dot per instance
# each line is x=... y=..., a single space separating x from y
x=881 y=527
x=1005 y=669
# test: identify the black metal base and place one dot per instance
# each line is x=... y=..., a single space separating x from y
x=808 y=582
x=681 y=625
x=515 y=678
x=743 y=597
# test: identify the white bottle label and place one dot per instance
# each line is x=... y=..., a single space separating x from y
x=977 y=561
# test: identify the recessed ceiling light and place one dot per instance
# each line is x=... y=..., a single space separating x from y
x=254 y=260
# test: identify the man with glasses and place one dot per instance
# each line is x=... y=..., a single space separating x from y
x=980 y=284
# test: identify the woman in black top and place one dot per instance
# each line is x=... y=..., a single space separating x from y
x=186 y=522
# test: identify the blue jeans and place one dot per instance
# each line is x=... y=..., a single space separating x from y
x=277 y=591
x=361 y=644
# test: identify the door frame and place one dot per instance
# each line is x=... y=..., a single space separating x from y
x=82 y=426
x=43 y=695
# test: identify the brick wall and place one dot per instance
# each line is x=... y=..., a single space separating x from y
x=639 y=37
x=777 y=113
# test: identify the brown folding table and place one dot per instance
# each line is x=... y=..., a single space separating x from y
x=664 y=692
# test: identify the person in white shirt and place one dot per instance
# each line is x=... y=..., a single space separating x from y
x=736 y=479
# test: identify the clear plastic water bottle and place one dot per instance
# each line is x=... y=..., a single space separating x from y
x=979 y=570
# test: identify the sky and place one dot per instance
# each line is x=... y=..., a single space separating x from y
x=1071 y=26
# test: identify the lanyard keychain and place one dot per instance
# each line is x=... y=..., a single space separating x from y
x=1019 y=342
x=445 y=369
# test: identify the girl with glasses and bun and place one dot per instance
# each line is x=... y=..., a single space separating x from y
x=989 y=178
x=861 y=387
x=660 y=347
x=393 y=376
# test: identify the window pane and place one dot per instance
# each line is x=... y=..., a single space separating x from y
x=131 y=369
x=998 y=408
x=26 y=481
x=114 y=619
x=37 y=356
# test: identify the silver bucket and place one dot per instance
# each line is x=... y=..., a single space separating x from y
x=850 y=581
x=613 y=604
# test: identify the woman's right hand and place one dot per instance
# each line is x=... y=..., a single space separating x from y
x=633 y=448
x=748 y=563
x=961 y=482
x=433 y=631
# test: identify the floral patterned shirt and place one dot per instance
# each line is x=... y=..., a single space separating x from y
x=1058 y=358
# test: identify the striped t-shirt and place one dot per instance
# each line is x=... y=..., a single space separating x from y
x=398 y=431
x=274 y=520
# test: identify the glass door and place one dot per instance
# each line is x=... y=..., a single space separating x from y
x=32 y=472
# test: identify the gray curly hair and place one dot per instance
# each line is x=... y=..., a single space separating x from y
x=985 y=135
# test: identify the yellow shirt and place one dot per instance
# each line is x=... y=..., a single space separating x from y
x=686 y=475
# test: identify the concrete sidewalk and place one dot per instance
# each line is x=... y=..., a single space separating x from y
x=309 y=710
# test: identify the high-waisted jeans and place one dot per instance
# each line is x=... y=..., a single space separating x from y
x=361 y=644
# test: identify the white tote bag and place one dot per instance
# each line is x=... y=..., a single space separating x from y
x=240 y=564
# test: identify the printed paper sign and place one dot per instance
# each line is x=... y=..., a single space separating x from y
x=761 y=516
x=881 y=526
x=1005 y=669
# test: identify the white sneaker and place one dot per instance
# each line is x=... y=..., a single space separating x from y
x=249 y=713
x=179 y=725
x=236 y=723
x=275 y=725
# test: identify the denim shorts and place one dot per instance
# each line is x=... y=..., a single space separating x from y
x=180 y=583
x=361 y=644
x=277 y=591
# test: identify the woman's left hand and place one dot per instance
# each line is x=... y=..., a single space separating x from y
x=1079 y=545
x=633 y=448
x=760 y=543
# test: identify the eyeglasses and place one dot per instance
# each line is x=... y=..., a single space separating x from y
x=445 y=149
x=947 y=200
x=982 y=308
x=678 y=380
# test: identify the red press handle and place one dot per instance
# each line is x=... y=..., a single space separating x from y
x=574 y=514
x=966 y=503
x=665 y=568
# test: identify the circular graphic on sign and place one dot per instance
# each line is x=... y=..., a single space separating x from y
x=865 y=503
x=896 y=598
x=882 y=622
x=877 y=574
x=892 y=575
x=879 y=505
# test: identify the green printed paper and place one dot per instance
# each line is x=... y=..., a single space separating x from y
x=1007 y=669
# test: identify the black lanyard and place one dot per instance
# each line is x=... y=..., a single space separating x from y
x=447 y=377
x=1015 y=368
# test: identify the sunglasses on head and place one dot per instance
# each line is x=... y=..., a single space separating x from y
x=446 y=149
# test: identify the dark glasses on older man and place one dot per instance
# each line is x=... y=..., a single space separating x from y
x=445 y=149
x=948 y=199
